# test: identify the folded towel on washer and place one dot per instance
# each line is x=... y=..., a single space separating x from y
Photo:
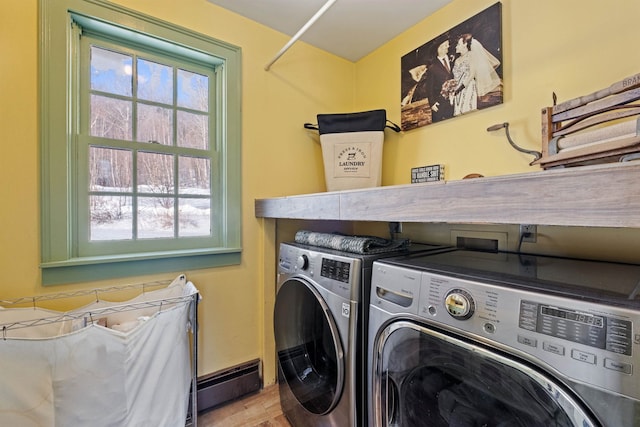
x=354 y=244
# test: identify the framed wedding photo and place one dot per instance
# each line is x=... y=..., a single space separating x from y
x=456 y=73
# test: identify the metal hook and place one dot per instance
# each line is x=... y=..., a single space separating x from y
x=536 y=154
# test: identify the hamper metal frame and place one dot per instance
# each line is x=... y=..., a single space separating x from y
x=25 y=302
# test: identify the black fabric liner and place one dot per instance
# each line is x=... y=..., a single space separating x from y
x=374 y=120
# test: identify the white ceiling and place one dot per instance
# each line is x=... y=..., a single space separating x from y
x=349 y=28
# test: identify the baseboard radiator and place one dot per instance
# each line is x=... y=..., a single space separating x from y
x=228 y=384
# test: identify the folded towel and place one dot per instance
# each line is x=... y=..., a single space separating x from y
x=354 y=244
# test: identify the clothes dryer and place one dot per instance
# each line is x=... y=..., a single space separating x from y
x=320 y=330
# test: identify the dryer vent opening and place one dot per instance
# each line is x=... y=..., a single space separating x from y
x=477 y=244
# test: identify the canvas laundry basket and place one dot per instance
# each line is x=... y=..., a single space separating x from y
x=352 y=148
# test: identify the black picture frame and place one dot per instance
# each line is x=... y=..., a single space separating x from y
x=431 y=92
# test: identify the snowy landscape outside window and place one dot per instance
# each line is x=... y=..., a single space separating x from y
x=149 y=166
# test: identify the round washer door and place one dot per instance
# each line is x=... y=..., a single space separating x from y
x=310 y=354
x=423 y=373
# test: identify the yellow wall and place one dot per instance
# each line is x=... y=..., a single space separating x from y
x=569 y=47
x=278 y=157
x=549 y=46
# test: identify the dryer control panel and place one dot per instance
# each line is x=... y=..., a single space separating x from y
x=335 y=269
x=338 y=274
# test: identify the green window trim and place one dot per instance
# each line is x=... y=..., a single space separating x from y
x=82 y=270
x=60 y=260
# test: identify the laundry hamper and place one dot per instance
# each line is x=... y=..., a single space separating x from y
x=352 y=148
x=104 y=364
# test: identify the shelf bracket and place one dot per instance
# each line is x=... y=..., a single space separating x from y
x=300 y=32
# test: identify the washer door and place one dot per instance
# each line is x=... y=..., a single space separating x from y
x=310 y=355
x=423 y=374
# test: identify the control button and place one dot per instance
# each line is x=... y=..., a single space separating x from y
x=432 y=310
x=615 y=365
x=489 y=328
x=583 y=356
x=553 y=348
x=531 y=342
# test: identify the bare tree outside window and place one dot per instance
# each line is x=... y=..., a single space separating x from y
x=139 y=190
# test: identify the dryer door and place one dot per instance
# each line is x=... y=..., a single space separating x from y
x=310 y=354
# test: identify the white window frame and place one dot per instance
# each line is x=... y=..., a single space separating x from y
x=63 y=179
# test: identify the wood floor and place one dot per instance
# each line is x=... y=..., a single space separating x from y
x=261 y=409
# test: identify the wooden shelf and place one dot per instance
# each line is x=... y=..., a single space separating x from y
x=605 y=195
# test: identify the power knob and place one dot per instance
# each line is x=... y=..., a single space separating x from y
x=302 y=262
x=459 y=304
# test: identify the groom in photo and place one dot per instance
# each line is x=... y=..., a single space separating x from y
x=439 y=72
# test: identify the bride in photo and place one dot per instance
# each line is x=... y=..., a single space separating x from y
x=474 y=73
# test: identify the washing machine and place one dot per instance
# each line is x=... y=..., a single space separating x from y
x=466 y=338
x=320 y=333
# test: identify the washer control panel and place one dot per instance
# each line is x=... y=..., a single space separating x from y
x=582 y=340
x=587 y=328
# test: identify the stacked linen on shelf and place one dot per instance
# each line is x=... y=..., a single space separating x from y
x=68 y=374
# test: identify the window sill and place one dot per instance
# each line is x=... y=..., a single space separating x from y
x=99 y=268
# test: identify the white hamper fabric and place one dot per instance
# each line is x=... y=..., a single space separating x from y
x=97 y=376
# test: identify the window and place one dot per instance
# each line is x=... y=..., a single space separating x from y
x=144 y=139
x=141 y=168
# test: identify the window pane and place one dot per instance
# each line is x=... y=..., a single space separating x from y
x=193 y=91
x=193 y=130
x=155 y=82
x=155 y=173
x=110 y=218
x=110 y=118
x=195 y=217
x=111 y=71
x=155 y=217
x=194 y=175
x=109 y=169
x=155 y=124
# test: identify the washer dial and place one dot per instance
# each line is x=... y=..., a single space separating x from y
x=459 y=304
